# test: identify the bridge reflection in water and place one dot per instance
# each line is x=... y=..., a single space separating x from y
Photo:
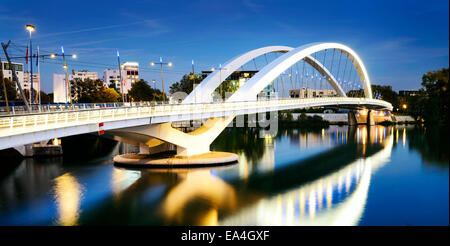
x=327 y=188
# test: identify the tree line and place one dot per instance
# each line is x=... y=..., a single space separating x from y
x=88 y=91
x=430 y=103
x=13 y=95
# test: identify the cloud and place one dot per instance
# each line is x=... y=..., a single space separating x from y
x=253 y=6
x=89 y=29
x=395 y=44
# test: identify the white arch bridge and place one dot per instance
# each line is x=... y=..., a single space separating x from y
x=150 y=126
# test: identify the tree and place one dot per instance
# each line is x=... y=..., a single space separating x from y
x=436 y=88
x=141 y=91
x=92 y=91
x=11 y=91
x=185 y=84
x=28 y=95
x=385 y=93
x=108 y=95
x=46 y=98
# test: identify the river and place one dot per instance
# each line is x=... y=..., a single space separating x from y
x=324 y=176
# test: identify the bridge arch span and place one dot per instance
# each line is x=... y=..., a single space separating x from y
x=202 y=93
x=271 y=71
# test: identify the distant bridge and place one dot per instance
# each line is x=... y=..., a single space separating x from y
x=150 y=126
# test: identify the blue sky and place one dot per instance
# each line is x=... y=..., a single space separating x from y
x=398 y=40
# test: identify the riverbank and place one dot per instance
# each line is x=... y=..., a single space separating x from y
x=325 y=119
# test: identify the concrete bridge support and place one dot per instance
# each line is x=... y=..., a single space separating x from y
x=163 y=137
x=370 y=118
x=352 y=121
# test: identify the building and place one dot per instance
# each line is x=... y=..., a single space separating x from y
x=27 y=82
x=7 y=72
x=130 y=74
x=303 y=93
x=59 y=88
x=410 y=93
x=83 y=74
x=111 y=78
x=239 y=78
x=59 y=83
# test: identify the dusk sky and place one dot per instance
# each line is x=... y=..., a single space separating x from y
x=397 y=40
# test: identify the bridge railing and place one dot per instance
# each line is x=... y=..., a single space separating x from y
x=96 y=113
x=59 y=107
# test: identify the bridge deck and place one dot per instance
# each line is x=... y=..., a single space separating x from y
x=29 y=128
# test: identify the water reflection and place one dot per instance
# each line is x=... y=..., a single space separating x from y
x=335 y=199
x=298 y=177
x=432 y=143
x=68 y=195
x=122 y=179
x=198 y=199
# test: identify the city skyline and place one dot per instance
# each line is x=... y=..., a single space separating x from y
x=394 y=48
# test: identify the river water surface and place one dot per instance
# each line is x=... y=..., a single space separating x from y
x=325 y=176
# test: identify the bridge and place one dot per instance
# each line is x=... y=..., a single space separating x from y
x=150 y=126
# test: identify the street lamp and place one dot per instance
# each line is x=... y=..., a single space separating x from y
x=52 y=56
x=220 y=77
x=162 y=74
x=68 y=92
x=120 y=77
x=30 y=29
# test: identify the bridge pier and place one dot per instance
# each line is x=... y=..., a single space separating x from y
x=157 y=144
x=352 y=121
x=145 y=149
x=370 y=121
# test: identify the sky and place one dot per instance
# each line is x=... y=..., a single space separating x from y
x=398 y=41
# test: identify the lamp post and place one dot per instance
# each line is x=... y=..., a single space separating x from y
x=120 y=77
x=220 y=77
x=30 y=29
x=193 y=82
x=52 y=56
x=162 y=73
x=68 y=94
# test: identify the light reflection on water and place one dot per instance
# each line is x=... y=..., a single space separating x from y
x=300 y=177
x=68 y=195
